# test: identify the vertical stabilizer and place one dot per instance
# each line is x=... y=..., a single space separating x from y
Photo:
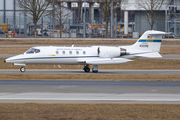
x=150 y=41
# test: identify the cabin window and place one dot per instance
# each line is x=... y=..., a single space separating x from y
x=84 y=52
x=32 y=51
x=70 y=52
x=77 y=52
x=57 y=52
x=63 y=52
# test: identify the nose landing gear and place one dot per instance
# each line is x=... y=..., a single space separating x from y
x=23 y=69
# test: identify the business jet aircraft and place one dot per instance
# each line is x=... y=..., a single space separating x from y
x=147 y=46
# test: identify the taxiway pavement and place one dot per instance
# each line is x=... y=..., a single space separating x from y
x=89 y=92
x=111 y=72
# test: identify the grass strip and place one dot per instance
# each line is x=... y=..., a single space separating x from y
x=33 y=111
x=77 y=42
x=90 y=77
x=67 y=42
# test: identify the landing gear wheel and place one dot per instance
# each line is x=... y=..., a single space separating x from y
x=86 y=68
x=23 y=69
x=95 y=71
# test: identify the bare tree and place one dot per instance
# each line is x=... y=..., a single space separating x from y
x=79 y=11
x=62 y=14
x=105 y=7
x=151 y=7
x=106 y=12
x=35 y=9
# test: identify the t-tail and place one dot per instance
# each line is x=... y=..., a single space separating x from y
x=150 y=40
x=148 y=45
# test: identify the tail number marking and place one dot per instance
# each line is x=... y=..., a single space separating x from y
x=143 y=45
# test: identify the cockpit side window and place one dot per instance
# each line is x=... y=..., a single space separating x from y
x=37 y=50
x=32 y=51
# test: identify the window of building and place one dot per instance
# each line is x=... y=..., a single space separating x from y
x=1 y=20
x=2 y=4
x=9 y=4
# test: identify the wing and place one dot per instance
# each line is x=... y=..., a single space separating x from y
x=104 y=61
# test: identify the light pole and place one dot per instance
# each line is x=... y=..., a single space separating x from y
x=84 y=20
x=112 y=23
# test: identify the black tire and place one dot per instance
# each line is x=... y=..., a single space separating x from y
x=22 y=69
x=87 y=69
x=95 y=71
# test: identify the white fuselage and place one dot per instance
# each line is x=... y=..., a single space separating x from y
x=68 y=55
x=95 y=55
x=55 y=55
x=147 y=46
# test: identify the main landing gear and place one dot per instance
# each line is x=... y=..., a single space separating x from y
x=95 y=68
x=87 y=69
x=22 y=69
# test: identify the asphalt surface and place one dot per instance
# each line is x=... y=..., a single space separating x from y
x=89 y=92
x=92 y=83
x=110 y=72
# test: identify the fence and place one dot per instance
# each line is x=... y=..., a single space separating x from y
x=47 y=27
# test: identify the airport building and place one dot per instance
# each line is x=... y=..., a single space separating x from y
x=133 y=17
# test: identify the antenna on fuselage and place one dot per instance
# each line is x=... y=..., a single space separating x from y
x=72 y=45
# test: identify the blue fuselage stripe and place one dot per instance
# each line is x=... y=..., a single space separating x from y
x=150 y=41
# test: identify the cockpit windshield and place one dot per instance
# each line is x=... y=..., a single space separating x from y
x=32 y=51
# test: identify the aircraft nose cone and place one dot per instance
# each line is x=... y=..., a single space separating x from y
x=4 y=60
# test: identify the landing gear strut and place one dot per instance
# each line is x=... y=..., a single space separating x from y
x=23 y=69
x=95 y=68
x=86 y=68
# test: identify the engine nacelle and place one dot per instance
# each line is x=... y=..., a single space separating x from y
x=111 y=52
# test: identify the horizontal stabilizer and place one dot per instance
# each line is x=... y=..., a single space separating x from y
x=150 y=55
x=103 y=61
